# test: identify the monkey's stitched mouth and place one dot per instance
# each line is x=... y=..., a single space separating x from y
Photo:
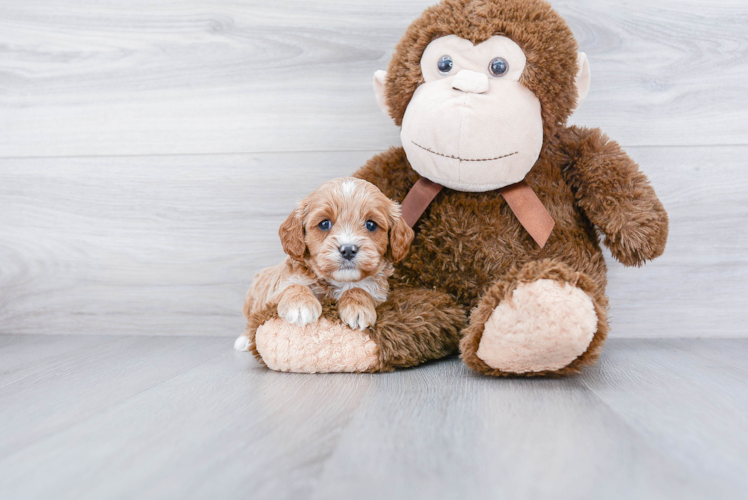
x=463 y=159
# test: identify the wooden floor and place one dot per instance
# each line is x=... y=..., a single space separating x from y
x=94 y=417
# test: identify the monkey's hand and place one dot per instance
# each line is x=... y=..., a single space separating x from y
x=357 y=309
x=615 y=196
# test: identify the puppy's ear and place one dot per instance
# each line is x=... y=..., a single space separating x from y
x=291 y=235
x=401 y=235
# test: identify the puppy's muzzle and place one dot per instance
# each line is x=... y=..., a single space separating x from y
x=348 y=251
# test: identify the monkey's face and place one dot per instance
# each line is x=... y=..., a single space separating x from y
x=472 y=126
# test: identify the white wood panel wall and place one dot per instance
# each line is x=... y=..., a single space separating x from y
x=149 y=150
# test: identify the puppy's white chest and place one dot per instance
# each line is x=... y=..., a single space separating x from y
x=370 y=285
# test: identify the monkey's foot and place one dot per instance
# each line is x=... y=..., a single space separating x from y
x=544 y=326
x=551 y=325
x=323 y=347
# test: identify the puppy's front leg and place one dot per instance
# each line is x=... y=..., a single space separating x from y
x=357 y=309
x=298 y=305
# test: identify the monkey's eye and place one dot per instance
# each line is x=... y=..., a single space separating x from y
x=371 y=226
x=445 y=65
x=498 y=66
x=325 y=225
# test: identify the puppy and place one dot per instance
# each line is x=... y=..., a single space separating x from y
x=341 y=241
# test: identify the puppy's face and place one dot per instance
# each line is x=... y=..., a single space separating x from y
x=346 y=230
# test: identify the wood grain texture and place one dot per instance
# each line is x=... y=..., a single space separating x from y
x=222 y=428
x=168 y=245
x=56 y=392
x=656 y=419
x=683 y=397
x=156 y=245
x=455 y=434
x=173 y=77
x=698 y=288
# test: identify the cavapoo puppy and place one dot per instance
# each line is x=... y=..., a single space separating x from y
x=341 y=241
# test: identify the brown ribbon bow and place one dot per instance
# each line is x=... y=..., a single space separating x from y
x=520 y=197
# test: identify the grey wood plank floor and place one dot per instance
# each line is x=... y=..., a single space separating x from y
x=186 y=417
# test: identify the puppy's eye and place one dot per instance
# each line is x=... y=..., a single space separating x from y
x=371 y=225
x=325 y=225
x=445 y=65
x=498 y=66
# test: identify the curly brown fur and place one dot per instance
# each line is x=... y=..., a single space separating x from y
x=465 y=242
x=502 y=290
x=415 y=326
x=470 y=245
x=616 y=196
x=316 y=267
x=469 y=249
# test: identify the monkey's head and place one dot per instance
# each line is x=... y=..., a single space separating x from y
x=476 y=85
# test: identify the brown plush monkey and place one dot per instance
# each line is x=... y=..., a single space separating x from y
x=511 y=274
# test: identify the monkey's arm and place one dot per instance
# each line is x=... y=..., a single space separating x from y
x=390 y=172
x=615 y=196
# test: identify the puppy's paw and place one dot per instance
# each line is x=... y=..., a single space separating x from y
x=356 y=315
x=300 y=311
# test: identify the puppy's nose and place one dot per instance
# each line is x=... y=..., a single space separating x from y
x=348 y=251
x=471 y=82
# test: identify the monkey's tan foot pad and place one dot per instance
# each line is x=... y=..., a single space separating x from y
x=322 y=347
x=545 y=325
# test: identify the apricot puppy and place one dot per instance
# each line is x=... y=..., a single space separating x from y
x=341 y=241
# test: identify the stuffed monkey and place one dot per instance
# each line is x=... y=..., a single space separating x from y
x=507 y=202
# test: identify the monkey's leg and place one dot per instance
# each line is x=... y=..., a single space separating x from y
x=543 y=319
x=413 y=326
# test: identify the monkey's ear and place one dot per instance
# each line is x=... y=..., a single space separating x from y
x=291 y=235
x=584 y=78
x=379 y=79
